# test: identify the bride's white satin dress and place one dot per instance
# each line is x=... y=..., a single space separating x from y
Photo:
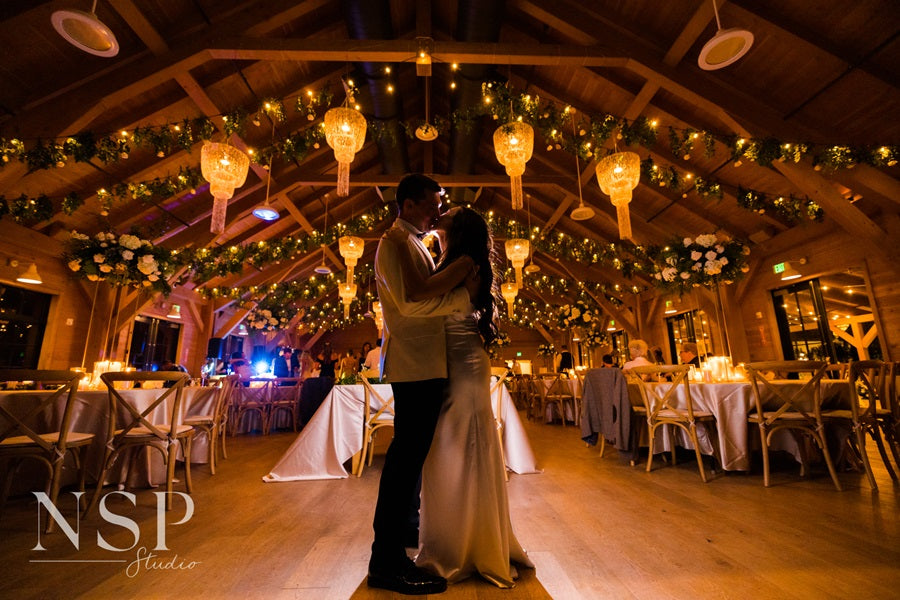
x=465 y=526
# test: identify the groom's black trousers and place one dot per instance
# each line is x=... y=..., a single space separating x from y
x=417 y=405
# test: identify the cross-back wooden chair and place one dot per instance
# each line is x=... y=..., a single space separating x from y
x=869 y=413
x=797 y=409
x=374 y=419
x=555 y=390
x=497 y=407
x=284 y=397
x=213 y=423
x=837 y=371
x=251 y=399
x=137 y=429
x=664 y=410
x=39 y=434
x=892 y=397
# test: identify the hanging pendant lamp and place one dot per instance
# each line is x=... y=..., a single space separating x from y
x=517 y=250
x=513 y=145
x=345 y=132
x=351 y=248
x=725 y=47
x=509 y=290
x=347 y=292
x=225 y=168
x=85 y=31
x=618 y=174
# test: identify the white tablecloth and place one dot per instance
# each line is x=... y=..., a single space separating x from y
x=730 y=403
x=90 y=415
x=334 y=435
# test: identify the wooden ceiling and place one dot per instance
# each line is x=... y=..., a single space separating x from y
x=823 y=72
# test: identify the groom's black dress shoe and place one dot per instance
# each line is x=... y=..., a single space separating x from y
x=410 y=580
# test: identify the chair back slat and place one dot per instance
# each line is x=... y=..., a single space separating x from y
x=655 y=397
x=800 y=401
x=868 y=388
x=386 y=405
x=22 y=425
x=140 y=417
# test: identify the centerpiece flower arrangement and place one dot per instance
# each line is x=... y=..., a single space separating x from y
x=704 y=261
x=577 y=314
x=121 y=260
x=593 y=338
x=546 y=350
x=501 y=341
x=263 y=319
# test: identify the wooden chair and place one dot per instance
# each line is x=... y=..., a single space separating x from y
x=799 y=412
x=284 y=396
x=579 y=397
x=138 y=430
x=555 y=390
x=837 y=371
x=869 y=414
x=663 y=410
x=373 y=422
x=249 y=400
x=212 y=425
x=892 y=397
x=21 y=437
x=497 y=409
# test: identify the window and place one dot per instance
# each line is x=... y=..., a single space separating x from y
x=828 y=318
x=23 y=318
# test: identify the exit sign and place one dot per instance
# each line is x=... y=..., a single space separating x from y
x=779 y=268
x=518 y=354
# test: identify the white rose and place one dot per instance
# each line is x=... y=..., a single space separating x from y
x=132 y=242
x=671 y=261
x=697 y=266
x=711 y=255
x=575 y=313
x=688 y=242
x=99 y=258
x=273 y=321
x=587 y=317
x=75 y=265
x=147 y=264
x=685 y=275
x=695 y=255
x=105 y=269
x=152 y=277
x=706 y=240
x=127 y=254
x=723 y=261
x=719 y=248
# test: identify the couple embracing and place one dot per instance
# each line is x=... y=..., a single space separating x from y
x=436 y=323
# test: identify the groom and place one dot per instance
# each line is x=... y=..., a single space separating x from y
x=414 y=361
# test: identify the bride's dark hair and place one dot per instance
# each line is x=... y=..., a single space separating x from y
x=469 y=234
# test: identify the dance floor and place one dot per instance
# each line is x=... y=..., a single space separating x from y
x=596 y=528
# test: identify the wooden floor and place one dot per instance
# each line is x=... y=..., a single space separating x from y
x=595 y=528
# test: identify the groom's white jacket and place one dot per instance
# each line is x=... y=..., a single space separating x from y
x=413 y=347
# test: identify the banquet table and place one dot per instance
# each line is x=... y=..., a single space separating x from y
x=90 y=415
x=334 y=435
x=575 y=387
x=730 y=403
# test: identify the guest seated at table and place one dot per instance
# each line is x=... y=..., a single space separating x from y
x=655 y=354
x=295 y=362
x=688 y=354
x=637 y=349
x=606 y=361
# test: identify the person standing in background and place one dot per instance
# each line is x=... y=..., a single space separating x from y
x=566 y=360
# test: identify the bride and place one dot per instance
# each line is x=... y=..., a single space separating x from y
x=465 y=526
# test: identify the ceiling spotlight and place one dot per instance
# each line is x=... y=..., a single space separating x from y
x=725 y=47
x=85 y=31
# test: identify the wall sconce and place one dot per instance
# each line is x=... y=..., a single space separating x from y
x=30 y=275
x=174 y=312
x=787 y=270
x=424 y=49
